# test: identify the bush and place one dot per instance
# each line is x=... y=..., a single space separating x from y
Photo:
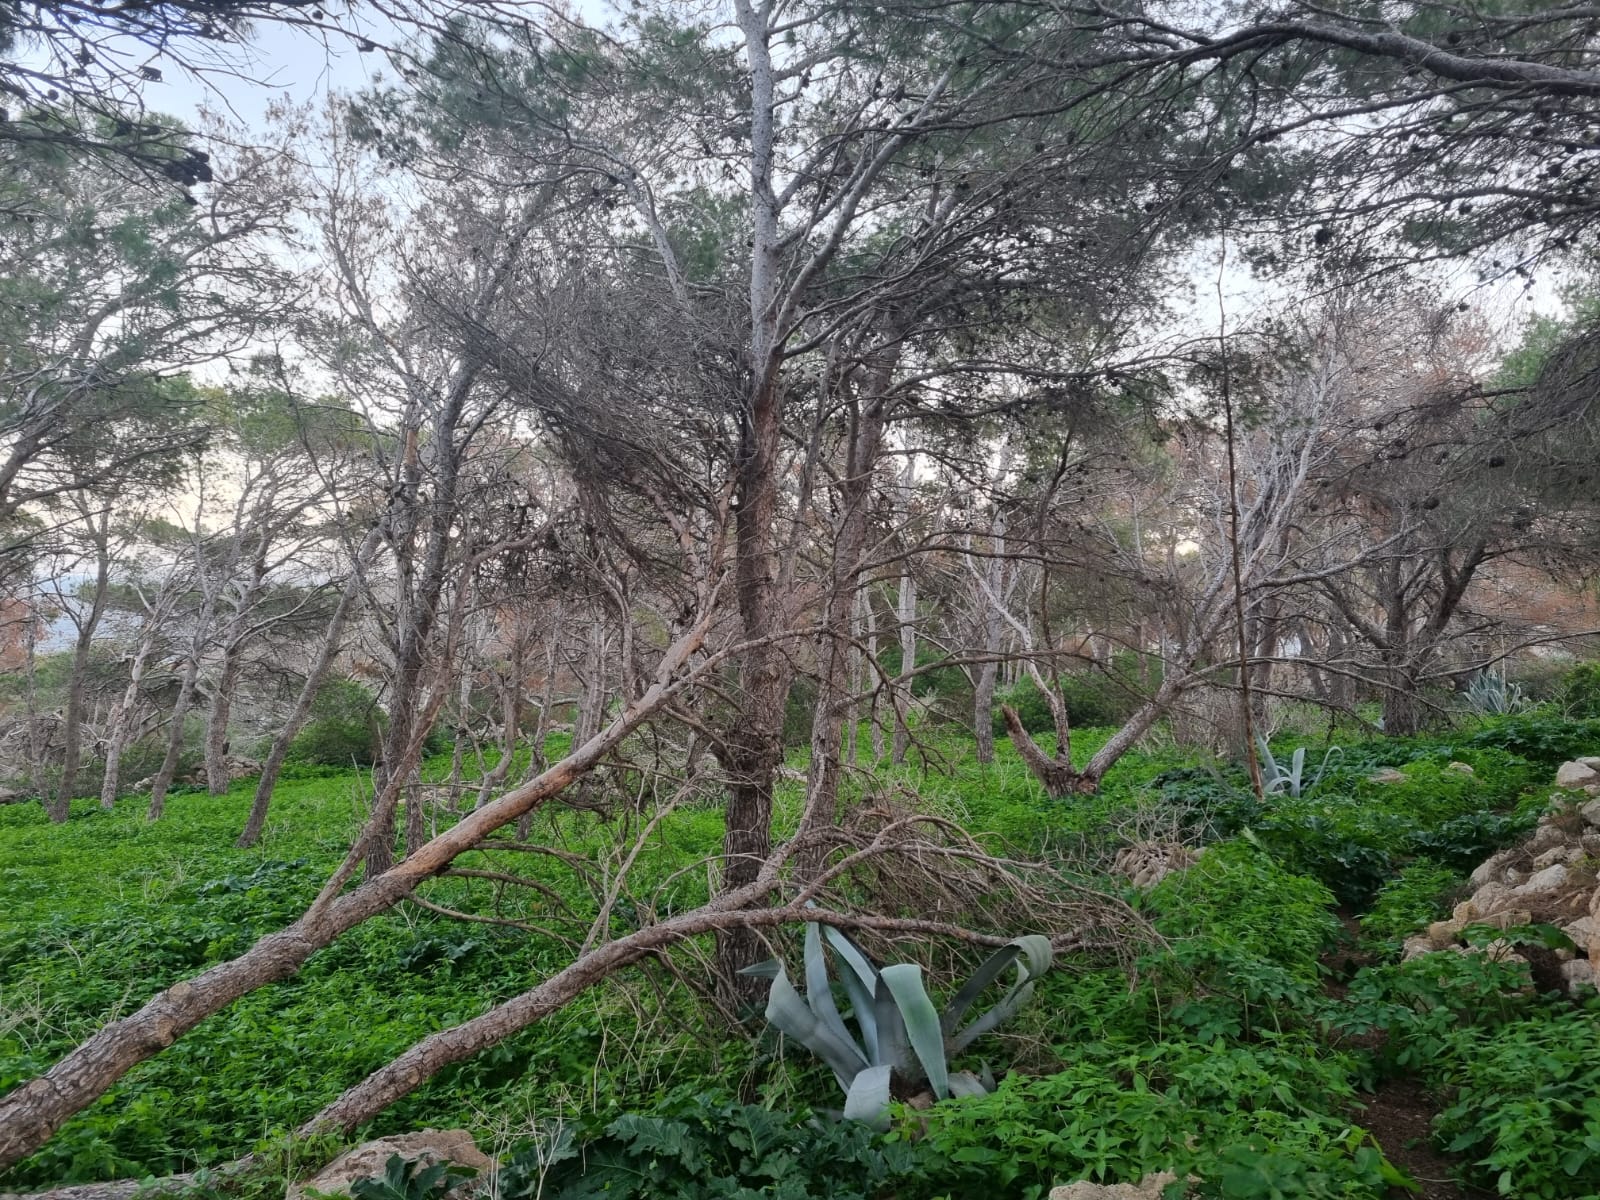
x=1418 y=895
x=707 y=1149
x=346 y=727
x=1244 y=1119
x=1578 y=693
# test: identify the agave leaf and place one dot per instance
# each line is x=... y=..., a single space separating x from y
x=819 y=991
x=792 y=1016
x=1002 y=1012
x=762 y=970
x=1034 y=947
x=867 y=1098
x=974 y=987
x=904 y=981
x=965 y=1083
x=861 y=985
x=894 y=1043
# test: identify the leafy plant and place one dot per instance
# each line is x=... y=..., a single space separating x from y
x=1290 y=779
x=1493 y=695
x=709 y=1149
x=902 y=1042
x=408 y=1179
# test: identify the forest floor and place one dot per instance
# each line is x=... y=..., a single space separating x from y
x=1275 y=1043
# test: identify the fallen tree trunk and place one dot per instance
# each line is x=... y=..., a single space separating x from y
x=31 y=1113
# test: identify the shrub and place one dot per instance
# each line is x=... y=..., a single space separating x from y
x=1420 y=893
x=1578 y=693
x=346 y=726
x=708 y=1149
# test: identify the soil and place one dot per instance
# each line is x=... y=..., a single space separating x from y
x=1400 y=1114
x=1400 y=1118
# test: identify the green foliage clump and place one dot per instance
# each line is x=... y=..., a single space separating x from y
x=1239 y=898
x=346 y=727
x=1092 y=698
x=1244 y=1119
x=1577 y=695
x=1543 y=740
x=1419 y=894
x=1519 y=1073
x=406 y=1179
x=708 y=1148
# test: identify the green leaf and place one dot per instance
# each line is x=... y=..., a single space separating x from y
x=904 y=981
x=867 y=1098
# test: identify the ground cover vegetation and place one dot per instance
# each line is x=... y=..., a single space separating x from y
x=799 y=599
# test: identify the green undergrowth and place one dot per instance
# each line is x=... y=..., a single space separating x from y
x=1218 y=1051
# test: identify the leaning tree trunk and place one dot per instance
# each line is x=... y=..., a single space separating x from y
x=32 y=1112
x=332 y=642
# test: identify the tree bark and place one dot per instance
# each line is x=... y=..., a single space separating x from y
x=72 y=749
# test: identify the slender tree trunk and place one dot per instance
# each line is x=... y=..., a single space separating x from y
x=122 y=721
x=904 y=695
x=332 y=642
x=77 y=681
x=169 y=762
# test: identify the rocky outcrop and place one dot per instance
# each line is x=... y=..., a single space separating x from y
x=368 y=1160
x=1551 y=878
x=1148 y=1188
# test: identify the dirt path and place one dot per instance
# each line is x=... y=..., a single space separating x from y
x=1399 y=1115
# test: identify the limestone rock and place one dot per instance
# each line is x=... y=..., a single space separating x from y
x=1148 y=1188
x=1589 y=760
x=1557 y=854
x=1575 y=774
x=1582 y=930
x=367 y=1161
x=1594 y=904
x=1389 y=775
x=1442 y=933
x=1506 y=918
x=1579 y=973
x=1486 y=900
x=1493 y=869
x=1460 y=768
x=1550 y=879
x=1546 y=837
x=1591 y=813
x=1415 y=947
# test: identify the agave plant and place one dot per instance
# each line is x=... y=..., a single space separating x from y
x=1494 y=695
x=901 y=1043
x=1277 y=778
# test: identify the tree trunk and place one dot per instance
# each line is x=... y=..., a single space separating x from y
x=169 y=761
x=32 y=1112
x=904 y=695
x=72 y=748
x=217 y=774
x=332 y=641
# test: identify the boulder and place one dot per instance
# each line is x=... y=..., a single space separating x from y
x=1390 y=775
x=1545 y=837
x=367 y=1161
x=1492 y=869
x=1550 y=879
x=1577 y=974
x=1442 y=933
x=1460 y=768
x=1557 y=854
x=1589 y=760
x=1148 y=1188
x=1416 y=947
x=1585 y=934
x=1576 y=774
x=1591 y=814
x=1506 y=918
x=1486 y=900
